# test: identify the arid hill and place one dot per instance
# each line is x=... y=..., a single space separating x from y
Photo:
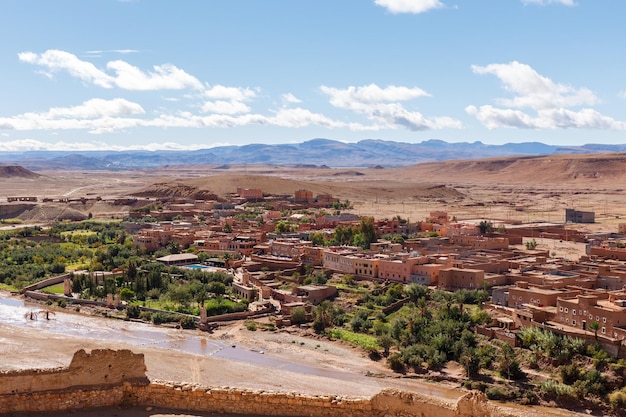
x=516 y=188
x=320 y=182
x=573 y=169
x=14 y=171
x=176 y=190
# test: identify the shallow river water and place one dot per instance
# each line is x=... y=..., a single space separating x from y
x=14 y=313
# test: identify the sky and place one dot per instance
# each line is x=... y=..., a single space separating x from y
x=191 y=74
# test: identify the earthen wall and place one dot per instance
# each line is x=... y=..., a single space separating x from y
x=107 y=378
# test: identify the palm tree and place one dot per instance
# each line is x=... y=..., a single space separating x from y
x=595 y=326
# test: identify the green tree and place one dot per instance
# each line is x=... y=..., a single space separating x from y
x=531 y=244
x=368 y=230
x=281 y=227
x=508 y=365
x=471 y=363
x=485 y=227
x=317 y=238
x=359 y=240
x=594 y=326
x=415 y=291
x=126 y=294
x=386 y=342
x=326 y=315
x=298 y=315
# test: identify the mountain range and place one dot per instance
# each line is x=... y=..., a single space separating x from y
x=315 y=152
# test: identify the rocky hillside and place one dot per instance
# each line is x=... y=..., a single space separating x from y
x=16 y=171
x=608 y=169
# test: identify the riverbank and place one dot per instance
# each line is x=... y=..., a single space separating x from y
x=232 y=357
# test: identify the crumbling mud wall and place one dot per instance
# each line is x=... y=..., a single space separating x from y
x=100 y=368
x=110 y=378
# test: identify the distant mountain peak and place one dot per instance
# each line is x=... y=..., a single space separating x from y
x=317 y=151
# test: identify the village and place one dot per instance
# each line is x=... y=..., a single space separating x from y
x=261 y=239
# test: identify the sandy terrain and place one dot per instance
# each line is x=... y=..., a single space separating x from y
x=503 y=190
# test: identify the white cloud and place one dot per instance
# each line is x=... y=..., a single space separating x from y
x=225 y=107
x=289 y=98
x=164 y=77
x=126 y=76
x=355 y=98
x=97 y=114
x=117 y=51
x=409 y=6
x=378 y=104
x=229 y=93
x=299 y=117
x=547 y=2
x=533 y=90
x=55 y=60
x=33 y=145
x=228 y=100
x=557 y=118
x=551 y=102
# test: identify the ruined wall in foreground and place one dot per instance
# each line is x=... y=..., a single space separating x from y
x=101 y=368
x=109 y=378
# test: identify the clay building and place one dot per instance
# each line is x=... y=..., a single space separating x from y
x=577 y=216
x=609 y=310
x=461 y=278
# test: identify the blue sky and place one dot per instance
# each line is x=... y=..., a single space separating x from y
x=155 y=74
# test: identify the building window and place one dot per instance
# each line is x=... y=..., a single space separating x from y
x=603 y=330
x=603 y=319
x=566 y=310
x=597 y=318
x=590 y=317
x=573 y=322
x=574 y=312
x=561 y=309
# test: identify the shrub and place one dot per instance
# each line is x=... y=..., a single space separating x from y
x=556 y=388
x=159 y=318
x=500 y=393
x=145 y=315
x=395 y=362
x=251 y=325
x=570 y=373
x=126 y=294
x=133 y=311
x=617 y=399
x=298 y=315
x=187 y=322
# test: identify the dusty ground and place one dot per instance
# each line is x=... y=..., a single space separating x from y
x=502 y=190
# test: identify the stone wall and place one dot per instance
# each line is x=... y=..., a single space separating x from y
x=107 y=378
x=100 y=368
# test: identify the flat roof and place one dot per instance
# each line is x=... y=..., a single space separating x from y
x=178 y=257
